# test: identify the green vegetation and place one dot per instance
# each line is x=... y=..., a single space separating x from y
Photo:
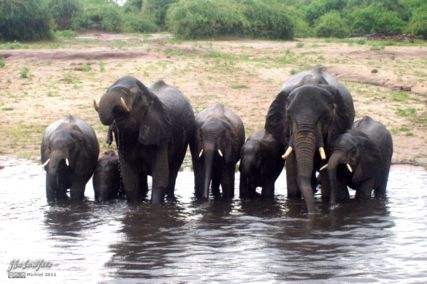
x=189 y=19
x=24 y=73
x=2 y=63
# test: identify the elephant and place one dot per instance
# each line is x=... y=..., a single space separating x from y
x=218 y=138
x=361 y=160
x=106 y=178
x=311 y=110
x=153 y=127
x=260 y=164
x=69 y=152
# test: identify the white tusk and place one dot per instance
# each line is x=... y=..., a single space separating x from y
x=201 y=153
x=287 y=153
x=220 y=153
x=323 y=167
x=322 y=153
x=45 y=163
x=67 y=162
x=95 y=105
x=349 y=168
x=122 y=101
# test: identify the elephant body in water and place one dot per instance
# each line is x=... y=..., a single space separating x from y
x=219 y=137
x=260 y=164
x=310 y=112
x=153 y=127
x=361 y=160
x=69 y=152
x=106 y=178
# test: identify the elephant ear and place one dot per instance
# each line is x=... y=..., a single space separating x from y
x=232 y=147
x=342 y=119
x=276 y=121
x=155 y=127
x=370 y=161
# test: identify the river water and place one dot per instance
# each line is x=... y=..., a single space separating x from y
x=218 y=241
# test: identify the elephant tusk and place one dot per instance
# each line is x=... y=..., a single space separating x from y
x=322 y=153
x=45 y=163
x=122 y=101
x=323 y=167
x=220 y=153
x=67 y=162
x=287 y=153
x=349 y=168
x=95 y=105
x=201 y=153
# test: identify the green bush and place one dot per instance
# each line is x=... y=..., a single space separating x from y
x=317 y=8
x=24 y=20
x=156 y=10
x=331 y=25
x=266 y=19
x=135 y=22
x=104 y=17
x=418 y=23
x=210 y=18
x=65 y=13
x=375 y=19
x=204 y=18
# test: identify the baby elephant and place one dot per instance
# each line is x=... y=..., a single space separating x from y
x=106 y=178
x=69 y=152
x=361 y=160
x=260 y=164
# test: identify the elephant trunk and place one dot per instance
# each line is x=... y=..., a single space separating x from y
x=304 y=152
x=334 y=161
x=209 y=155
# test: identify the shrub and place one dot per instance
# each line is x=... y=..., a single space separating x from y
x=317 y=8
x=155 y=10
x=375 y=19
x=24 y=20
x=135 y=22
x=204 y=18
x=105 y=17
x=65 y=13
x=331 y=25
x=418 y=23
x=267 y=20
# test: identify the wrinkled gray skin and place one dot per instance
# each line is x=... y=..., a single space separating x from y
x=152 y=133
x=311 y=111
x=217 y=128
x=260 y=164
x=73 y=139
x=106 y=178
x=368 y=149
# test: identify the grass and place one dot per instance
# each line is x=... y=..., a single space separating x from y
x=2 y=63
x=24 y=73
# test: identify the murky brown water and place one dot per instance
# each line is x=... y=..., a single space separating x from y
x=237 y=242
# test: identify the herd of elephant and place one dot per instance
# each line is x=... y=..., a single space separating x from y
x=309 y=130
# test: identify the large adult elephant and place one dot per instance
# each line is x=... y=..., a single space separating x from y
x=219 y=136
x=361 y=160
x=69 y=152
x=310 y=112
x=153 y=126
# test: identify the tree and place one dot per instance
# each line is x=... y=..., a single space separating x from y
x=156 y=10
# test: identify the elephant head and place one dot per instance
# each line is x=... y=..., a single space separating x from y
x=216 y=144
x=355 y=156
x=307 y=118
x=60 y=153
x=130 y=106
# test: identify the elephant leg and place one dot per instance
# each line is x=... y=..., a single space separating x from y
x=244 y=187
x=50 y=191
x=130 y=182
x=170 y=191
x=216 y=178
x=227 y=181
x=77 y=190
x=364 y=191
x=291 y=178
x=268 y=189
x=198 y=178
x=380 y=190
x=325 y=187
x=161 y=176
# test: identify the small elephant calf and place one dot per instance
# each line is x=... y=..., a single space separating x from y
x=361 y=160
x=106 y=178
x=260 y=164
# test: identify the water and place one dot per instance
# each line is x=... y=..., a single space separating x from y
x=231 y=242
